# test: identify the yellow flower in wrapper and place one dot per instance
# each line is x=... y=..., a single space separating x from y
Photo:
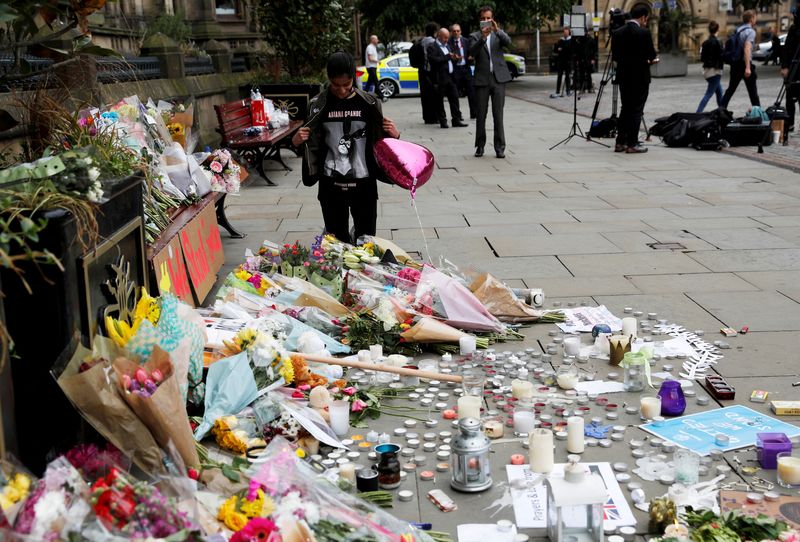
x=5 y=502
x=369 y=247
x=286 y=370
x=253 y=508
x=21 y=482
x=227 y=507
x=175 y=129
x=235 y=521
x=241 y=274
x=16 y=490
x=245 y=338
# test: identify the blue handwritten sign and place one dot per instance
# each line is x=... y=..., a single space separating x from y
x=740 y=424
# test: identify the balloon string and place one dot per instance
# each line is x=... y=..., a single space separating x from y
x=414 y=190
x=422 y=230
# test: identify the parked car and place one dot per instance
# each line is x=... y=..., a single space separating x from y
x=397 y=77
x=764 y=49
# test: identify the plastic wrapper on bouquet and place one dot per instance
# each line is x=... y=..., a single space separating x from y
x=309 y=506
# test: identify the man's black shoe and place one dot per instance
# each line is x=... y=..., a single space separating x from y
x=459 y=124
x=638 y=149
x=619 y=148
x=443 y=124
x=479 y=152
x=500 y=154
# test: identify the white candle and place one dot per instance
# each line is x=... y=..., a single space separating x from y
x=376 y=351
x=493 y=428
x=575 y=436
x=650 y=407
x=629 y=326
x=567 y=381
x=541 y=454
x=364 y=356
x=469 y=406
x=340 y=417
x=467 y=345
x=521 y=389
x=789 y=469
x=348 y=472
x=601 y=344
x=524 y=421
x=572 y=346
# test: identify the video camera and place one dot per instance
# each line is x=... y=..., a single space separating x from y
x=618 y=18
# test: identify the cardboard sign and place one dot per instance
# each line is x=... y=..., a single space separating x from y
x=170 y=261
x=202 y=248
x=740 y=424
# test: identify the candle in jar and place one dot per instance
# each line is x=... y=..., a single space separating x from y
x=575 y=435
x=650 y=407
x=467 y=345
x=469 y=406
x=376 y=351
x=348 y=472
x=567 y=381
x=572 y=346
x=789 y=469
x=521 y=389
x=540 y=450
x=524 y=421
x=493 y=428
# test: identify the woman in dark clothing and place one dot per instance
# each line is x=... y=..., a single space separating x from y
x=338 y=138
x=711 y=56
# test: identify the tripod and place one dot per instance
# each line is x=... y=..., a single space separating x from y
x=576 y=129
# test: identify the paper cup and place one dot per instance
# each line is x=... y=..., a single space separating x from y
x=776 y=137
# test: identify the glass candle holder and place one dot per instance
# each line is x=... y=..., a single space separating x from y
x=650 y=406
x=673 y=403
x=340 y=417
x=567 y=377
x=789 y=470
x=473 y=381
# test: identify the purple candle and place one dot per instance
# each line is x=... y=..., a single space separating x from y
x=673 y=403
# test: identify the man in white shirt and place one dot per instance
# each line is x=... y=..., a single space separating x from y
x=371 y=56
x=442 y=60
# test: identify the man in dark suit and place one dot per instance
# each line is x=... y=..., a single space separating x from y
x=632 y=49
x=427 y=92
x=462 y=73
x=442 y=60
x=491 y=76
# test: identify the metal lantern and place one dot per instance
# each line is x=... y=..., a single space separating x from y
x=470 y=467
x=575 y=505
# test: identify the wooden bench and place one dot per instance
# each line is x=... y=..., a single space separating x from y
x=234 y=118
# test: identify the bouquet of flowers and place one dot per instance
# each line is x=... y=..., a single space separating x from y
x=151 y=391
x=224 y=174
x=15 y=486
x=236 y=434
x=58 y=505
x=294 y=260
x=138 y=511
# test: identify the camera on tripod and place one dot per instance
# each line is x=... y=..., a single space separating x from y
x=617 y=19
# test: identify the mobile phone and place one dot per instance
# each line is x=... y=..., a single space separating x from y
x=485 y=24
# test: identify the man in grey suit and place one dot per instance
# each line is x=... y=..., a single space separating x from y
x=491 y=76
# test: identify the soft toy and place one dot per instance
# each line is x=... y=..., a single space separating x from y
x=302 y=374
x=310 y=343
x=319 y=399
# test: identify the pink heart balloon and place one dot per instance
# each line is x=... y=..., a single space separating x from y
x=406 y=164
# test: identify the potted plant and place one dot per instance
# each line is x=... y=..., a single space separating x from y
x=673 y=24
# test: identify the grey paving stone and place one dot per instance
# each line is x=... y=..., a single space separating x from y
x=750 y=260
x=779 y=387
x=507 y=203
x=674 y=307
x=594 y=176
x=645 y=214
x=558 y=244
x=719 y=211
x=772 y=280
x=521 y=230
x=751 y=198
x=743 y=238
x=761 y=311
x=596 y=227
x=702 y=223
x=262 y=212
x=769 y=348
x=630 y=241
x=637 y=201
x=494 y=219
x=580 y=286
x=779 y=221
x=687 y=238
x=655 y=263
x=526 y=266
x=690 y=282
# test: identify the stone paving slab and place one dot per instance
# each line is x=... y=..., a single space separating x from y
x=655 y=263
x=599 y=227
x=761 y=311
x=554 y=244
x=582 y=286
x=779 y=387
x=677 y=307
x=766 y=350
x=524 y=267
x=518 y=229
x=645 y=214
x=750 y=260
x=719 y=211
x=771 y=280
x=493 y=219
x=743 y=238
x=691 y=282
x=702 y=223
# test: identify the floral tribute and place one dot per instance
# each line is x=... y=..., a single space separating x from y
x=223 y=172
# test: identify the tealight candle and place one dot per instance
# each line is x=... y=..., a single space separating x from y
x=469 y=406
x=348 y=472
x=493 y=429
x=524 y=421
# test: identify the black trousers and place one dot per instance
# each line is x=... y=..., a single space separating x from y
x=428 y=95
x=737 y=74
x=462 y=77
x=633 y=95
x=563 y=71
x=360 y=201
x=497 y=92
x=446 y=89
x=372 y=80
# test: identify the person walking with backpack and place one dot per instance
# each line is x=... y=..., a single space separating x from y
x=711 y=56
x=739 y=54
